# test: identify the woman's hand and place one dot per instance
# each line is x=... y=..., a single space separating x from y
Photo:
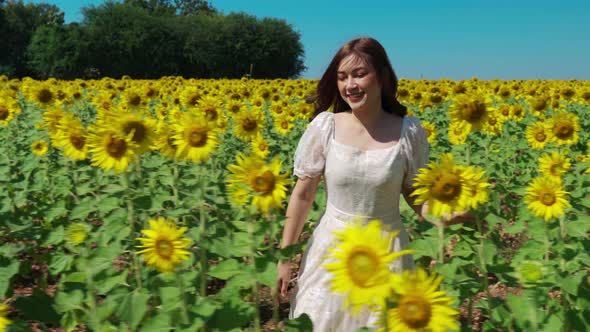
x=458 y=218
x=454 y=218
x=283 y=278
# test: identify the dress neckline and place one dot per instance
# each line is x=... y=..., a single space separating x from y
x=348 y=146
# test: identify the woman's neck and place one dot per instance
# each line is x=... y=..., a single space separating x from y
x=370 y=118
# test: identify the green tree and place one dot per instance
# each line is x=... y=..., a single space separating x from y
x=58 y=51
x=174 y=7
x=19 y=22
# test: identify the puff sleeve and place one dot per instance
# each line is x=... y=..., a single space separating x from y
x=416 y=151
x=310 y=155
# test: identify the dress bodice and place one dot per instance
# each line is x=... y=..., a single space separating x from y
x=358 y=182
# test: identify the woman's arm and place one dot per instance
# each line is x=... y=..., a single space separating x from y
x=299 y=206
x=422 y=209
x=300 y=203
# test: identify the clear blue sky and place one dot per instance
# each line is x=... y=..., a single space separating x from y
x=434 y=39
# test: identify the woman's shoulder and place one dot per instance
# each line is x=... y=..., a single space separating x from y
x=323 y=119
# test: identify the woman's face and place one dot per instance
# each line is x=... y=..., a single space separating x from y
x=358 y=83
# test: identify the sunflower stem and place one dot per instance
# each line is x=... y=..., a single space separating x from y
x=441 y=241
x=275 y=298
x=131 y=221
x=547 y=246
x=184 y=311
x=482 y=265
x=203 y=252
x=255 y=286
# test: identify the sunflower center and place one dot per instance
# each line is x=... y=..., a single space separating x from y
x=548 y=198
x=556 y=169
x=164 y=248
x=211 y=113
x=362 y=264
x=446 y=187
x=517 y=110
x=540 y=137
x=563 y=130
x=138 y=128
x=264 y=183
x=539 y=104
x=262 y=146
x=44 y=96
x=285 y=125
x=197 y=137
x=116 y=147
x=492 y=121
x=249 y=125
x=135 y=100
x=77 y=141
x=436 y=98
x=3 y=113
x=415 y=311
x=473 y=111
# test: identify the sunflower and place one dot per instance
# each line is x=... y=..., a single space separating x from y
x=164 y=247
x=190 y=97
x=71 y=136
x=565 y=127
x=4 y=322
x=132 y=99
x=164 y=141
x=477 y=185
x=447 y=187
x=554 y=164
x=211 y=109
x=195 y=138
x=260 y=146
x=39 y=147
x=472 y=109
x=248 y=123
x=531 y=272
x=418 y=305
x=430 y=131
x=6 y=113
x=360 y=264
x=265 y=182
x=283 y=124
x=458 y=132
x=538 y=105
x=234 y=106
x=110 y=149
x=517 y=112
x=52 y=118
x=77 y=233
x=140 y=128
x=40 y=93
x=494 y=124
x=546 y=198
x=538 y=135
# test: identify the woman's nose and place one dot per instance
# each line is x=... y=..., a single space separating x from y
x=350 y=82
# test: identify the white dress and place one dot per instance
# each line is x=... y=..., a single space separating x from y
x=359 y=183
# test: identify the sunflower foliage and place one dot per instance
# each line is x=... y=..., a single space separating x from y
x=158 y=205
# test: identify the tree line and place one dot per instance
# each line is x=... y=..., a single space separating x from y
x=145 y=39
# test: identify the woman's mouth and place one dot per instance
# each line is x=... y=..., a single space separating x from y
x=355 y=96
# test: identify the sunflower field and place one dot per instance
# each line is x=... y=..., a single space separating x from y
x=158 y=205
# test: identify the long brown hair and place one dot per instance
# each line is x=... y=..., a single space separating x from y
x=373 y=53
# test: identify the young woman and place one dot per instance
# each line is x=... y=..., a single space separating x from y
x=368 y=153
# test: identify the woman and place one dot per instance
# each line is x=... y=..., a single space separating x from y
x=368 y=152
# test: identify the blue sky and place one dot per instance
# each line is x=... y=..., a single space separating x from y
x=434 y=39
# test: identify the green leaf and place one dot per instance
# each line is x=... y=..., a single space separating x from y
x=300 y=324
x=571 y=282
x=158 y=323
x=105 y=285
x=226 y=269
x=133 y=307
x=59 y=263
x=171 y=298
x=579 y=228
x=55 y=237
x=424 y=247
x=82 y=210
x=8 y=269
x=69 y=301
x=108 y=204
